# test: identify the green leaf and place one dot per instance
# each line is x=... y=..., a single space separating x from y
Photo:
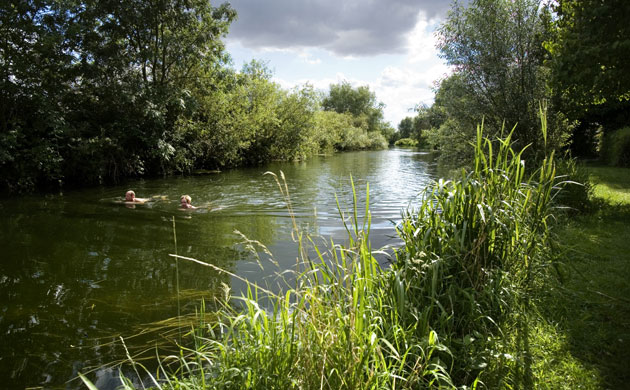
x=87 y=382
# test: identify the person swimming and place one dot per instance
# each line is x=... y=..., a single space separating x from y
x=185 y=202
x=130 y=197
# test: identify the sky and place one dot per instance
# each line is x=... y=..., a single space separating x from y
x=388 y=45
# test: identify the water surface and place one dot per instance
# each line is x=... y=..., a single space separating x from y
x=78 y=270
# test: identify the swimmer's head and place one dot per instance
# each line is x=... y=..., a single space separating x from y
x=185 y=199
x=130 y=196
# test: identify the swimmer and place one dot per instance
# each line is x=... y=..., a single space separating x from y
x=185 y=202
x=130 y=197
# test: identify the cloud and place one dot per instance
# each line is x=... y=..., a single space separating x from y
x=403 y=88
x=345 y=28
x=421 y=40
x=308 y=58
x=400 y=88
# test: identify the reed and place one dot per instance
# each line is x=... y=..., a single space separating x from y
x=474 y=248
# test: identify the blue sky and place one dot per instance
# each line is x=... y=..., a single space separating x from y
x=388 y=45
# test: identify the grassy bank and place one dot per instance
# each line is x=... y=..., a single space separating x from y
x=576 y=332
x=489 y=291
x=590 y=311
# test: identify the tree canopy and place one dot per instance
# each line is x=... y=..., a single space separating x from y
x=496 y=49
x=360 y=102
x=589 y=51
x=500 y=78
x=96 y=91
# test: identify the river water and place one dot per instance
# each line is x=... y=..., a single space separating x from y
x=79 y=270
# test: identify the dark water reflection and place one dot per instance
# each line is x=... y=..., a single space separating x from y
x=78 y=270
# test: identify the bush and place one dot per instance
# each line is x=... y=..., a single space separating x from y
x=377 y=140
x=409 y=142
x=577 y=189
x=615 y=148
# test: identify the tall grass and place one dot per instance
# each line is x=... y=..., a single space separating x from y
x=472 y=252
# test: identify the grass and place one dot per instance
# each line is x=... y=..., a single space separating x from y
x=592 y=309
x=577 y=331
x=612 y=184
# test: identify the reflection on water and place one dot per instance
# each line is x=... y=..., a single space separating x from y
x=79 y=269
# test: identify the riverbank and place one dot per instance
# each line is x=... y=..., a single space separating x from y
x=577 y=334
x=589 y=313
x=482 y=295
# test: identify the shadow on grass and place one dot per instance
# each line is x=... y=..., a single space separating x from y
x=592 y=307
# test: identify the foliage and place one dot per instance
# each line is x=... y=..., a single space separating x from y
x=361 y=104
x=615 y=147
x=410 y=128
x=496 y=49
x=590 y=73
x=337 y=132
x=577 y=189
x=427 y=118
x=91 y=90
x=251 y=120
x=409 y=142
x=405 y=128
x=343 y=98
x=453 y=143
x=473 y=250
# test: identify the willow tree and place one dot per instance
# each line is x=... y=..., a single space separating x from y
x=495 y=47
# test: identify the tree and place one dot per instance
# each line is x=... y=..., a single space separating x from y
x=91 y=90
x=343 y=98
x=412 y=127
x=405 y=127
x=35 y=61
x=359 y=102
x=496 y=49
x=138 y=61
x=590 y=70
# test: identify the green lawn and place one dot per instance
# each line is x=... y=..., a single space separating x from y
x=612 y=184
x=588 y=316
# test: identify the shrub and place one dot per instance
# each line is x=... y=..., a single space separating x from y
x=577 y=189
x=615 y=148
x=407 y=142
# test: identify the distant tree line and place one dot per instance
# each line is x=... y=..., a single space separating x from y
x=514 y=58
x=99 y=90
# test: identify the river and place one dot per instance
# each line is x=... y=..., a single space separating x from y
x=79 y=270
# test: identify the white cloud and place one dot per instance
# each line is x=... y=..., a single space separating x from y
x=422 y=40
x=404 y=86
x=400 y=82
x=309 y=59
